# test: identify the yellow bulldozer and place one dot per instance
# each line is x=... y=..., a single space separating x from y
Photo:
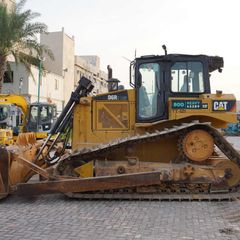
x=158 y=140
x=17 y=116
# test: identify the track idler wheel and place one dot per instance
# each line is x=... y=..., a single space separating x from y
x=198 y=145
x=231 y=172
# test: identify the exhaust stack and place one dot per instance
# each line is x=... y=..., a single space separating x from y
x=112 y=82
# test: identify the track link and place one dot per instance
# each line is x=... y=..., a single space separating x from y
x=157 y=197
x=87 y=154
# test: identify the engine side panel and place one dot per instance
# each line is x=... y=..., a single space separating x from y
x=104 y=118
x=217 y=109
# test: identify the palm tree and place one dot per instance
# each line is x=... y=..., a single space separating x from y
x=18 y=38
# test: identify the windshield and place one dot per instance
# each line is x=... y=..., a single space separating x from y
x=3 y=112
x=41 y=117
x=46 y=113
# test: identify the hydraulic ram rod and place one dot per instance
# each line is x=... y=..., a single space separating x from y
x=83 y=89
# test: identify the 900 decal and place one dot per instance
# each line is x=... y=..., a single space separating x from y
x=224 y=105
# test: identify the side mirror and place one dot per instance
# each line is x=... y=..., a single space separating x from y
x=132 y=74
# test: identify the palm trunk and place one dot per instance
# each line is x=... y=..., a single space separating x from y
x=2 y=70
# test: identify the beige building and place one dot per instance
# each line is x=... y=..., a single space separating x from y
x=62 y=47
x=60 y=75
x=71 y=67
x=22 y=82
x=89 y=67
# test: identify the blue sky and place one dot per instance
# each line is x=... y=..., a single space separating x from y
x=113 y=29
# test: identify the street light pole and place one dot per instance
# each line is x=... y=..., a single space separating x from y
x=41 y=60
x=39 y=79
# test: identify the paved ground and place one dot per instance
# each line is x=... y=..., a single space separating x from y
x=57 y=217
x=235 y=142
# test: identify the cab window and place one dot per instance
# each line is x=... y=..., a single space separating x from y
x=33 y=114
x=45 y=113
x=149 y=74
x=187 y=77
x=3 y=112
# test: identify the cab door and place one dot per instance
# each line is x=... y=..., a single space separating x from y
x=150 y=97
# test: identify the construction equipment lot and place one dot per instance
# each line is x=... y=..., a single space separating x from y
x=58 y=217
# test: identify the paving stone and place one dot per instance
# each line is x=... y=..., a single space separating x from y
x=57 y=217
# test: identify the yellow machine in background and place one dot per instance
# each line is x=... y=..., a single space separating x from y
x=159 y=140
x=6 y=137
x=17 y=115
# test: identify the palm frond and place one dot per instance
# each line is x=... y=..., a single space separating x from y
x=32 y=29
x=16 y=57
x=19 y=6
x=46 y=50
x=18 y=36
x=27 y=61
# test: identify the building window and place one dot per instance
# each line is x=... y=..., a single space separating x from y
x=56 y=84
x=8 y=77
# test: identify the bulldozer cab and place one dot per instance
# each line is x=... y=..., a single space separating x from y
x=41 y=117
x=157 y=78
x=11 y=117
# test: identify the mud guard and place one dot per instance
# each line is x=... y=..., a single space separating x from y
x=4 y=172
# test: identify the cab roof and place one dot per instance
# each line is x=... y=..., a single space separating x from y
x=213 y=62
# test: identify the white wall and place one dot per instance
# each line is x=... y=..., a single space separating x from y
x=62 y=47
x=68 y=65
x=48 y=91
x=19 y=72
x=54 y=41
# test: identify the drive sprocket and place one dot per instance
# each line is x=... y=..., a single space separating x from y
x=197 y=145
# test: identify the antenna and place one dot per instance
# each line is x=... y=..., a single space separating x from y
x=127 y=59
x=164 y=48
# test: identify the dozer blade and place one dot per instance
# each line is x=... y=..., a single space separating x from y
x=25 y=139
x=89 y=184
x=4 y=172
